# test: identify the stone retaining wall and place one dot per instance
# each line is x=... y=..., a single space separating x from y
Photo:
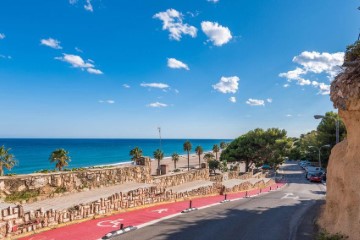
x=180 y=178
x=14 y=221
x=48 y=183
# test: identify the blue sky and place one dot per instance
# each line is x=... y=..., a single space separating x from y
x=198 y=69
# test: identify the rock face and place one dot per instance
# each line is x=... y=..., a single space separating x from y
x=342 y=210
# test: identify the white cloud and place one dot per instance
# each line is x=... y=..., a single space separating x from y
x=213 y=1
x=107 y=101
x=2 y=36
x=174 y=63
x=88 y=6
x=255 y=102
x=227 y=84
x=72 y=2
x=269 y=100
x=176 y=91
x=78 y=49
x=216 y=33
x=94 y=71
x=50 y=42
x=232 y=99
x=288 y=115
x=155 y=85
x=5 y=57
x=157 y=105
x=77 y=62
x=286 y=85
x=173 y=22
x=315 y=63
x=126 y=86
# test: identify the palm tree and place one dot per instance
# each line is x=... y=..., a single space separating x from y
x=187 y=148
x=199 y=150
x=222 y=145
x=158 y=155
x=175 y=157
x=216 y=149
x=136 y=153
x=61 y=157
x=209 y=157
x=7 y=160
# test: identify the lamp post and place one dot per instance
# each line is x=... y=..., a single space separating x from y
x=319 y=149
x=336 y=125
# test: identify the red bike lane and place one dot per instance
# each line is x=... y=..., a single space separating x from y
x=97 y=228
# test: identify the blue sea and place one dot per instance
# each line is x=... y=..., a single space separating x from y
x=33 y=154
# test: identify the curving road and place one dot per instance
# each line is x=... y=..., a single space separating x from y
x=285 y=214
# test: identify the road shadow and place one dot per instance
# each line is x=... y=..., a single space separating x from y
x=260 y=223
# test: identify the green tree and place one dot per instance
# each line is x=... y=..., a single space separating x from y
x=209 y=157
x=199 y=150
x=216 y=149
x=213 y=165
x=327 y=129
x=187 y=148
x=223 y=145
x=175 y=157
x=7 y=160
x=60 y=157
x=158 y=155
x=136 y=153
x=258 y=146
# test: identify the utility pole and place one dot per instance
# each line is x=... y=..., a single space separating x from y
x=159 y=128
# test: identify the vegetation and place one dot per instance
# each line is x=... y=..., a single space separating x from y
x=60 y=157
x=60 y=190
x=158 y=155
x=352 y=52
x=216 y=149
x=223 y=145
x=187 y=148
x=325 y=134
x=199 y=150
x=213 y=165
x=175 y=157
x=7 y=160
x=136 y=153
x=209 y=157
x=23 y=195
x=326 y=236
x=258 y=147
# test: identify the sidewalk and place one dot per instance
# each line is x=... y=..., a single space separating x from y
x=95 y=229
x=67 y=201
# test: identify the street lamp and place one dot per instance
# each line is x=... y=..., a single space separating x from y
x=336 y=125
x=319 y=149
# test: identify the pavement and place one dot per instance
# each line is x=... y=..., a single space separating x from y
x=95 y=229
x=287 y=213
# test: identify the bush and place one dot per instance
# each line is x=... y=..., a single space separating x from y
x=352 y=52
x=60 y=190
x=23 y=195
x=326 y=236
x=177 y=170
x=10 y=174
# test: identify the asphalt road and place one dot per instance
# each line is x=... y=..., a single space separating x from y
x=285 y=214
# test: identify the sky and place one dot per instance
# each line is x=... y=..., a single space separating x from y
x=197 y=69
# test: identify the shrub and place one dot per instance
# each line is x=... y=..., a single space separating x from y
x=353 y=52
x=177 y=170
x=23 y=195
x=326 y=236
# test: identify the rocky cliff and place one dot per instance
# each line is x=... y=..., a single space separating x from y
x=342 y=210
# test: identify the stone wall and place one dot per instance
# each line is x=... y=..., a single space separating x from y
x=74 y=181
x=14 y=221
x=180 y=178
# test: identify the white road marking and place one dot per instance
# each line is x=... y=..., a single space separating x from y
x=290 y=196
x=160 y=210
x=110 y=223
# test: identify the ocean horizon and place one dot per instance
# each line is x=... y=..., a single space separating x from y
x=33 y=154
